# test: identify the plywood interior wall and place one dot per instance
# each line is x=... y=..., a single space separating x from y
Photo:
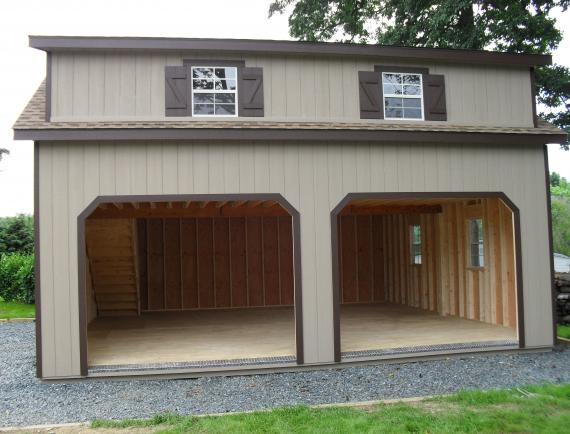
x=220 y=262
x=376 y=264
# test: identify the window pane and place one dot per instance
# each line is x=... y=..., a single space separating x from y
x=225 y=98
x=392 y=89
x=225 y=109
x=476 y=241
x=475 y=255
x=394 y=112
x=392 y=78
x=225 y=84
x=229 y=72
x=203 y=109
x=411 y=79
x=412 y=113
x=412 y=102
x=393 y=102
x=202 y=73
x=203 y=84
x=203 y=98
x=412 y=89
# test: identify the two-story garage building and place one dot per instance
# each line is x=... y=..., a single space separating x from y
x=210 y=205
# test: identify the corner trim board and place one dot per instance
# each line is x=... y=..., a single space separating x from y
x=550 y=243
x=82 y=254
x=418 y=195
x=37 y=273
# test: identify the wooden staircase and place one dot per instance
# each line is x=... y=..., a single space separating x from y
x=111 y=253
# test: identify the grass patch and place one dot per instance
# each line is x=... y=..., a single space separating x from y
x=534 y=409
x=563 y=331
x=16 y=310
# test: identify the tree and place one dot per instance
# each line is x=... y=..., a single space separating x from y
x=515 y=26
x=560 y=191
x=17 y=234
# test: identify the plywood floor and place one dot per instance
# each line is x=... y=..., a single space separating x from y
x=380 y=326
x=269 y=332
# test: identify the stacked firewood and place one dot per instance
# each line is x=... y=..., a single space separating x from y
x=562 y=284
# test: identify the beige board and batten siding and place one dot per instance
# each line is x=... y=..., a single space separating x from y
x=121 y=86
x=312 y=177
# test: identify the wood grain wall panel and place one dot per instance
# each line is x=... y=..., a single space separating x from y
x=238 y=262
x=271 y=283
x=188 y=259
x=142 y=255
x=172 y=275
x=222 y=262
x=377 y=263
x=364 y=260
x=286 y=260
x=206 y=296
x=155 y=264
x=349 y=259
x=254 y=262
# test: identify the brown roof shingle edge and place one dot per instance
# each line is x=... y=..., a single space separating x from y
x=299 y=48
x=31 y=125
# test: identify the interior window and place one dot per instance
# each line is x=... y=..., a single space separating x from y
x=416 y=244
x=476 y=243
x=214 y=91
x=403 y=95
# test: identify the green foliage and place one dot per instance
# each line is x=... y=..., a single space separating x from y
x=563 y=331
x=516 y=26
x=17 y=234
x=536 y=409
x=560 y=207
x=10 y=310
x=17 y=277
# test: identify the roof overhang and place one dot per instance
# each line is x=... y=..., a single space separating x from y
x=289 y=134
x=298 y=48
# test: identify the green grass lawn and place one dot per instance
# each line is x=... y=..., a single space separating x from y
x=563 y=331
x=534 y=409
x=16 y=310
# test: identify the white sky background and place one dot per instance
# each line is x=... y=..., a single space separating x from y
x=23 y=68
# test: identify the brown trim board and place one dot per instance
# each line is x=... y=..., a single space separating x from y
x=82 y=253
x=550 y=243
x=419 y=195
x=37 y=278
x=300 y=48
x=267 y=134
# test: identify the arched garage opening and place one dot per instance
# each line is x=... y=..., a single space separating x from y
x=425 y=272
x=189 y=281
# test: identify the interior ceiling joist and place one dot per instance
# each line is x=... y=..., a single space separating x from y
x=241 y=208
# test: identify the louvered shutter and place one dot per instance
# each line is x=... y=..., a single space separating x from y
x=250 y=92
x=177 y=100
x=370 y=94
x=434 y=97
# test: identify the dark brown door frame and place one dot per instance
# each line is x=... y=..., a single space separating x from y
x=422 y=195
x=82 y=253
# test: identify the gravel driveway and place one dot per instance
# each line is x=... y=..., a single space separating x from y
x=26 y=401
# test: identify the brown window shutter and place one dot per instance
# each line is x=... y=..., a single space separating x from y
x=370 y=92
x=250 y=92
x=177 y=101
x=434 y=97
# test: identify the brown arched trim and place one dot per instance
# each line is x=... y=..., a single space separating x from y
x=422 y=195
x=82 y=254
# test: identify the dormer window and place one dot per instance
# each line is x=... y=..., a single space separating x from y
x=403 y=96
x=214 y=91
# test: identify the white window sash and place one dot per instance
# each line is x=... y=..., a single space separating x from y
x=391 y=95
x=214 y=91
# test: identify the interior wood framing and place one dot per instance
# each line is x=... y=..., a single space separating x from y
x=376 y=265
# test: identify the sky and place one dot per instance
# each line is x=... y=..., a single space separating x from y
x=23 y=68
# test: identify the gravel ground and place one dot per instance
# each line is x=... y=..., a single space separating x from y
x=26 y=401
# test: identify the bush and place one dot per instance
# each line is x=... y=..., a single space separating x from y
x=17 y=234
x=17 y=277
